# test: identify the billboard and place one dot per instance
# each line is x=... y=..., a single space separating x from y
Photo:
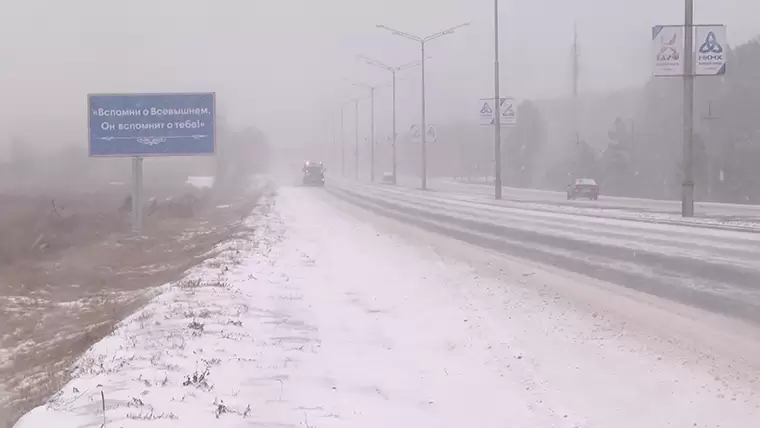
x=144 y=125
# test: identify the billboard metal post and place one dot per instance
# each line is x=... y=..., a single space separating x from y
x=137 y=186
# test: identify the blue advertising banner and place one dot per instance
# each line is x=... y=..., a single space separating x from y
x=142 y=125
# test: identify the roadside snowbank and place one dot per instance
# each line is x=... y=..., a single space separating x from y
x=317 y=320
x=152 y=366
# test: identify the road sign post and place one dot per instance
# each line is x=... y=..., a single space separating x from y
x=150 y=125
x=137 y=187
x=431 y=135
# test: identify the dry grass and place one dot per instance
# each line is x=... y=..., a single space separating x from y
x=62 y=293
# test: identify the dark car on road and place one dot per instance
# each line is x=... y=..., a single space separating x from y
x=389 y=178
x=583 y=188
x=313 y=174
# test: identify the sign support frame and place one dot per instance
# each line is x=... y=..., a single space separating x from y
x=137 y=194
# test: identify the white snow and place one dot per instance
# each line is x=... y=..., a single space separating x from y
x=321 y=320
x=200 y=181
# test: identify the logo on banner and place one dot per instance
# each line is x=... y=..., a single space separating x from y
x=711 y=55
x=415 y=134
x=507 y=112
x=508 y=109
x=668 y=50
x=711 y=45
x=431 y=135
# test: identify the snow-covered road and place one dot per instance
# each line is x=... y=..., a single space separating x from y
x=714 y=215
x=713 y=269
x=325 y=318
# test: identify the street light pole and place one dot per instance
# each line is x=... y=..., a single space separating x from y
x=332 y=152
x=423 y=131
x=356 y=149
x=687 y=188
x=372 y=142
x=372 y=89
x=342 y=143
x=497 y=106
x=422 y=41
x=393 y=71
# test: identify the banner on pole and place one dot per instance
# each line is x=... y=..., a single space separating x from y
x=710 y=45
x=668 y=48
x=507 y=111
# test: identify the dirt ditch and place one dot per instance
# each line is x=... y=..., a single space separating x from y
x=70 y=269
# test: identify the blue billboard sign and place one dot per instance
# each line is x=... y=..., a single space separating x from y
x=141 y=125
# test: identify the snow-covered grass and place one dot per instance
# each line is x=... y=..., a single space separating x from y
x=317 y=320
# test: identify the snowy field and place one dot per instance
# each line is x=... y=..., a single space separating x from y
x=324 y=318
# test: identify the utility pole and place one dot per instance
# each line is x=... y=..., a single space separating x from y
x=497 y=183
x=687 y=188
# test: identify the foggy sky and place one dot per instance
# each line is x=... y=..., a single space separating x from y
x=277 y=64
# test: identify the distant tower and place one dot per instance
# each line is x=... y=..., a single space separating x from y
x=576 y=76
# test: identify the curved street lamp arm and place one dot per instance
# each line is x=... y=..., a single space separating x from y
x=445 y=32
x=400 y=33
x=375 y=62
